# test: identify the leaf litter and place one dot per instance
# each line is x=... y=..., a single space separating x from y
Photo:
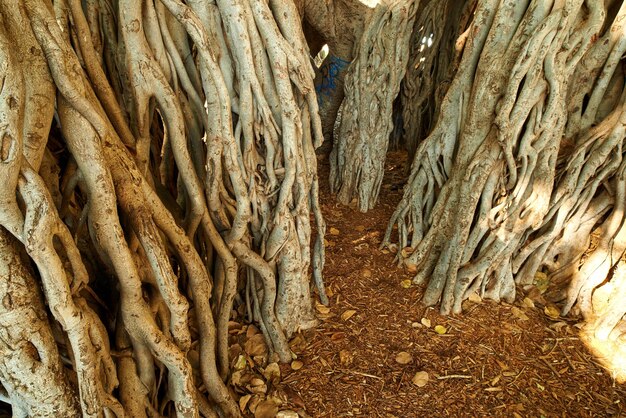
x=496 y=360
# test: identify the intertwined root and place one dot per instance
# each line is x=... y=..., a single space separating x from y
x=525 y=161
x=184 y=137
x=365 y=116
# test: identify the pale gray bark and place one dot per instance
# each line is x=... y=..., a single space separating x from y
x=365 y=118
x=182 y=153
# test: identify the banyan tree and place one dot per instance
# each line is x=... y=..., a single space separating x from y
x=158 y=174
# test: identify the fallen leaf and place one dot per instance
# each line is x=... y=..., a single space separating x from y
x=415 y=324
x=440 y=329
x=420 y=379
x=541 y=281
x=475 y=298
x=298 y=343
x=272 y=373
x=296 y=365
x=366 y=273
x=287 y=413
x=552 y=311
x=347 y=314
x=345 y=357
x=255 y=346
x=324 y=310
x=528 y=303
x=410 y=267
x=241 y=362
x=266 y=409
x=360 y=228
x=256 y=399
x=337 y=336
x=406 y=251
x=252 y=330
x=406 y=283
x=404 y=358
x=257 y=386
x=558 y=326
x=519 y=314
x=425 y=322
x=243 y=402
x=334 y=231
x=535 y=295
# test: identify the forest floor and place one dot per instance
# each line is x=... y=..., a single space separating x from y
x=375 y=336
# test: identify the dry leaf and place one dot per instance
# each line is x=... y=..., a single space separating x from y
x=255 y=346
x=406 y=283
x=252 y=330
x=347 y=314
x=558 y=326
x=296 y=365
x=256 y=399
x=345 y=357
x=298 y=343
x=426 y=322
x=287 y=413
x=410 y=267
x=334 y=231
x=519 y=314
x=324 y=310
x=415 y=324
x=266 y=409
x=243 y=402
x=360 y=228
x=420 y=379
x=272 y=373
x=440 y=329
x=528 y=303
x=404 y=358
x=541 y=281
x=366 y=273
x=337 y=336
x=552 y=312
x=241 y=362
x=475 y=298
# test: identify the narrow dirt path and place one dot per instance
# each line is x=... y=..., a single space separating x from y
x=494 y=360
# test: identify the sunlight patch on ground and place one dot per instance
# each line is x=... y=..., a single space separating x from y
x=370 y=3
x=610 y=354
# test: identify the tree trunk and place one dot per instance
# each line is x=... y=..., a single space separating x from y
x=525 y=161
x=365 y=119
x=180 y=169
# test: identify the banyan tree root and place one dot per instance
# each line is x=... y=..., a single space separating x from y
x=433 y=61
x=180 y=169
x=525 y=162
x=365 y=118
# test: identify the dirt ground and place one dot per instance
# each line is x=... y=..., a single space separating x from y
x=493 y=360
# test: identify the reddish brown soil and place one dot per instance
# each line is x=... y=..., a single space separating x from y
x=488 y=363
